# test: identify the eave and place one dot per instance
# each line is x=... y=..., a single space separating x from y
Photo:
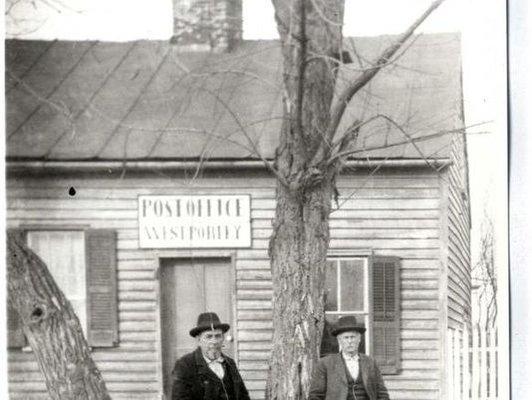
x=77 y=166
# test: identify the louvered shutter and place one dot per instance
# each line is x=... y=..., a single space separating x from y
x=386 y=346
x=102 y=321
x=15 y=335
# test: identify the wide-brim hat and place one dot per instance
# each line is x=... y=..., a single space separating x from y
x=347 y=324
x=206 y=322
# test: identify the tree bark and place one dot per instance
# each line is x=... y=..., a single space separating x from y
x=311 y=43
x=51 y=327
x=307 y=163
x=298 y=256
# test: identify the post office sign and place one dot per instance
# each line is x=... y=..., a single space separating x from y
x=207 y=221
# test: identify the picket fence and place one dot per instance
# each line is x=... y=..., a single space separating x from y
x=473 y=364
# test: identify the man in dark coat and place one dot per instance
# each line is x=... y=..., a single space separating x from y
x=347 y=375
x=207 y=373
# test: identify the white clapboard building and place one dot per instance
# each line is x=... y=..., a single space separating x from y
x=129 y=174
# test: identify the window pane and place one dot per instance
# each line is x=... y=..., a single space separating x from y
x=353 y=285
x=329 y=344
x=64 y=254
x=331 y=286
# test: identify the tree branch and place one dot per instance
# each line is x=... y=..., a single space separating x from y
x=411 y=140
x=322 y=15
x=345 y=97
x=246 y=135
x=370 y=66
x=302 y=65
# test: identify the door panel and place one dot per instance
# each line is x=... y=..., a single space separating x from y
x=188 y=288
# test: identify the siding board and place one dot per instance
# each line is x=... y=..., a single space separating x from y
x=394 y=214
x=458 y=262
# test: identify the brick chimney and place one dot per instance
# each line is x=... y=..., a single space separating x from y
x=207 y=25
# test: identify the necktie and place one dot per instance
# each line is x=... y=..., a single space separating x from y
x=217 y=367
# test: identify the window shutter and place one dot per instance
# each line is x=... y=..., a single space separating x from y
x=15 y=334
x=386 y=346
x=329 y=344
x=102 y=310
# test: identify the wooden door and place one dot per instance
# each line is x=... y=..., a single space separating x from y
x=188 y=288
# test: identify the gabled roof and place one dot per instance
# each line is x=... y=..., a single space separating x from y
x=146 y=100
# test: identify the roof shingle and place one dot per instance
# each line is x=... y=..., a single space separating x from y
x=146 y=100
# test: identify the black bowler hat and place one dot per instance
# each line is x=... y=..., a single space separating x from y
x=206 y=322
x=347 y=323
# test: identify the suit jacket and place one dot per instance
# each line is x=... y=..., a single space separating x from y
x=192 y=379
x=329 y=381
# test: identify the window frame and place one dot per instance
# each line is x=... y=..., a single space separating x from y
x=367 y=312
x=367 y=255
x=93 y=335
x=24 y=229
x=27 y=232
x=372 y=259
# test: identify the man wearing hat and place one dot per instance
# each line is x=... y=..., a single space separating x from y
x=347 y=375
x=206 y=373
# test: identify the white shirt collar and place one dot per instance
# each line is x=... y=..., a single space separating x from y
x=349 y=357
x=216 y=366
x=209 y=361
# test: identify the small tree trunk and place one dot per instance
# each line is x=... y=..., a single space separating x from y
x=51 y=327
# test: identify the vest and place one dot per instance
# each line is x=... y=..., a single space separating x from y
x=220 y=389
x=355 y=388
x=228 y=389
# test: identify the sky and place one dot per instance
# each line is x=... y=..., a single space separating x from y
x=137 y=19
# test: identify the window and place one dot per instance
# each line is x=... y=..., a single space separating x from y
x=368 y=288
x=63 y=252
x=346 y=293
x=83 y=264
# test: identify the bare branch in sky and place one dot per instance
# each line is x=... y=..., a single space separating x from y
x=345 y=97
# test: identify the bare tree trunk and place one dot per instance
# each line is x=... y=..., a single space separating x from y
x=51 y=327
x=311 y=42
x=299 y=250
x=306 y=166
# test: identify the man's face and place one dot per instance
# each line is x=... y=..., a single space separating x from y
x=349 y=341
x=211 y=343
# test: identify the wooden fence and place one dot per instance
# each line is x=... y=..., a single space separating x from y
x=472 y=364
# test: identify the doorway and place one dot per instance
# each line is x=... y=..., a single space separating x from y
x=188 y=288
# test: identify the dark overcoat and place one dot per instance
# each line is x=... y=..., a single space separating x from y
x=329 y=381
x=192 y=379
